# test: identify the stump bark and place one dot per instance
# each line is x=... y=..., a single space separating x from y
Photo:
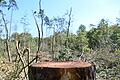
x=76 y=70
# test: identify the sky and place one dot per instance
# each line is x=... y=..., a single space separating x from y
x=83 y=12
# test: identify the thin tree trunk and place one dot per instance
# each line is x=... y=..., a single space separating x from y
x=39 y=43
x=53 y=42
x=10 y=22
x=42 y=15
x=66 y=43
x=42 y=41
x=6 y=40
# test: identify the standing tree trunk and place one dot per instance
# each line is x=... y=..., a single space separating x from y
x=39 y=43
x=67 y=40
x=6 y=40
x=10 y=23
x=53 y=43
x=41 y=12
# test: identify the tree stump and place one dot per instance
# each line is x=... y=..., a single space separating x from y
x=71 y=70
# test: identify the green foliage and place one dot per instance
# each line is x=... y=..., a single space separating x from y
x=82 y=28
x=82 y=40
x=100 y=37
x=116 y=37
x=63 y=55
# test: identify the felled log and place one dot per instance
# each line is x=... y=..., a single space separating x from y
x=76 y=70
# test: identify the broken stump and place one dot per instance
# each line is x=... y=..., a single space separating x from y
x=71 y=70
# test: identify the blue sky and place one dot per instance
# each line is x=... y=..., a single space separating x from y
x=83 y=12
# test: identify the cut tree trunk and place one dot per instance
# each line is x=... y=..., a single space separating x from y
x=74 y=70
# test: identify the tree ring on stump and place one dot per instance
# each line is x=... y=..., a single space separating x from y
x=67 y=64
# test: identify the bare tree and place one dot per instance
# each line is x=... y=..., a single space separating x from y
x=39 y=41
x=10 y=22
x=66 y=42
x=42 y=16
x=41 y=13
x=6 y=40
x=11 y=4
